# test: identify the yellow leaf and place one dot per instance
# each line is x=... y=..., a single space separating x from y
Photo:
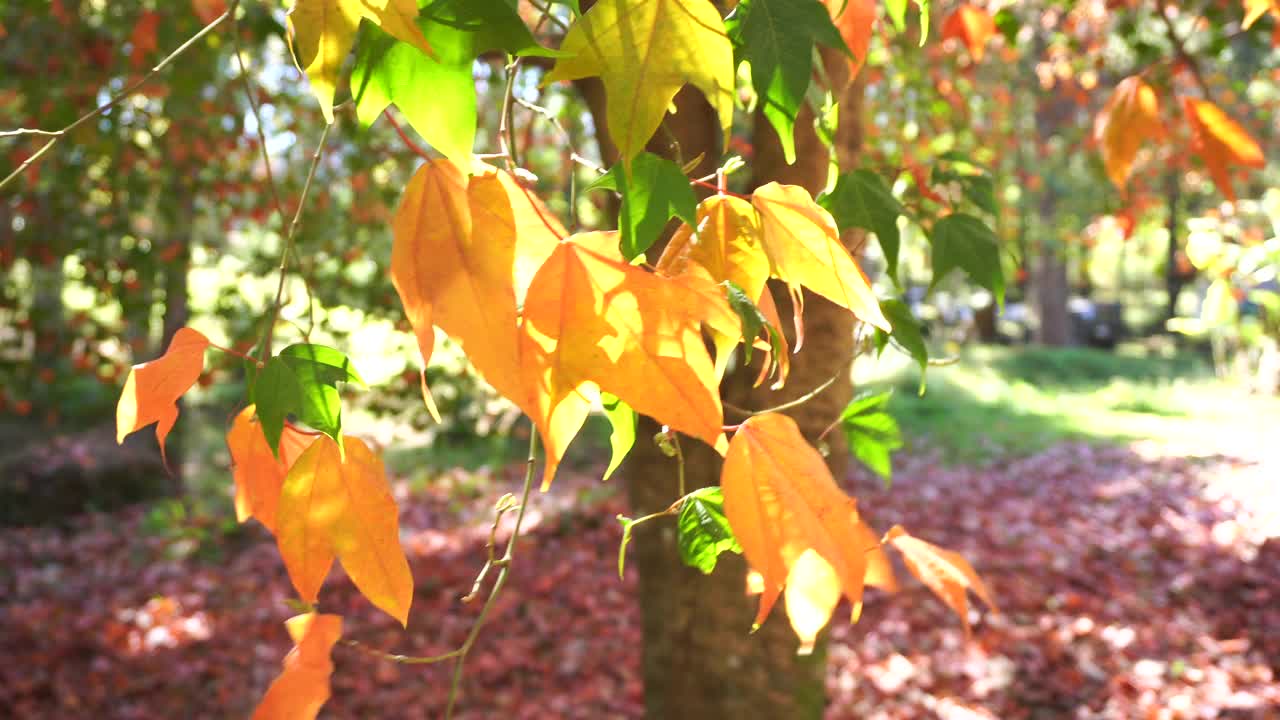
x=333 y=505
x=798 y=530
x=944 y=572
x=1254 y=9
x=1220 y=142
x=645 y=51
x=303 y=686
x=973 y=26
x=152 y=389
x=592 y=320
x=1130 y=117
x=804 y=249
x=322 y=32
x=258 y=473
x=464 y=253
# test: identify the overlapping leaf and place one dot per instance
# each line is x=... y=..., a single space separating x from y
x=463 y=254
x=302 y=381
x=594 y=320
x=872 y=433
x=855 y=19
x=1221 y=143
x=645 y=51
x=944 y=572
x=339 y=505
x=322 y=32
x=152 y=389
x=259 y=473
x=655 y=191
x=798 y=530
x=862 y=199
x=1130 y=118
x=971 y=25
x=437 y=95
x=302 y=688
x=777 y=37
x=703 y=532
x=963 y=241
x=804 y=249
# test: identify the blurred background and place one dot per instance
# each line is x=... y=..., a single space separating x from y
x=1104 y=446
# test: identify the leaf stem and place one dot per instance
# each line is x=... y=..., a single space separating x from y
x=288 y=244
x=56 y=135
x=417 y=149
x=236 y=353
x=505 y=570
x=790 y=403
x=718 y=189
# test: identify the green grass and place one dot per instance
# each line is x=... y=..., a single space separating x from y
x=1001 y=402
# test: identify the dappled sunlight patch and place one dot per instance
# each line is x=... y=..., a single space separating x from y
x=160 y=623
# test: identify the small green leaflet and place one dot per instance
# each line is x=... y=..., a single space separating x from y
x=703 y=529
x=907 y=334
x=438 y=97
x=897 y=10
x=975 y=183
x=963 y=241
x=862 y=199
x=777 y=38
x=753 y=321
x=872 y=433
x=623 y=420
x=627 y=523
x=302 y=381
x=655 y=191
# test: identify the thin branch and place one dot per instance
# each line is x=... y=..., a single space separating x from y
x=56 y=135
x=404 y=137
x=675 y=443
x=402 y=659
x=1181 y=49
x=790 y=403
x=548 y=15
x=288 y=244
x=501 y=580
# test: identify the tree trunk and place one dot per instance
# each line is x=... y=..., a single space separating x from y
x=700 y=658
x=1050 y=280
x=1173 y=277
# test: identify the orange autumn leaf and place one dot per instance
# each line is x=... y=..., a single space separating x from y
x=258 y=473
x=333 y=505
x=1220 y=143
x=463 y=255
x=972 y=26
x=152 y=389
x=804 y=249
x=1130 y=117
x=855 y=19
x=798 y=530
x=591 y=320
x=944 y=572
x=303 y=686
x=728 y=246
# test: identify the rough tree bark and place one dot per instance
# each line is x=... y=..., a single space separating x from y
x=700 y=660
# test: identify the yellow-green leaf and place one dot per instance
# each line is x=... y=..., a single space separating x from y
x=322 y=32
x=645 y=51
x=804 y=248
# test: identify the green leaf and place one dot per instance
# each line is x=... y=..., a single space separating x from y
x=907 y=333
x=704 y=531
x=862 y=199
x=977 y=187
x=752 y=320
x=1008 y=24
x=623 y=420
x=777 y=38
x=302 y=381
x=963 y=241
x=438 y=96
x=897 y=10
x=333 y=365
x=626 y=539
x=655 y=191
x=872 y=433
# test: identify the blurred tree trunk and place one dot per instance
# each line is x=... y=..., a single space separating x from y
x=1050 y=279
x=1173 y=277
x=700 y=659
x=174 y=278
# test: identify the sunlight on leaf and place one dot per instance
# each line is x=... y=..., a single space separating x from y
x=1220 y=142
x=302 y=688
x=258 y=473
x=944 y=572
x=1130 y=117
x=152 y=389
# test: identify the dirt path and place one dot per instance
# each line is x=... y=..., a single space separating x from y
x=1134 y=582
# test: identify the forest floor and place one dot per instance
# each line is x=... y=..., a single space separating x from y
x=1135 y=580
